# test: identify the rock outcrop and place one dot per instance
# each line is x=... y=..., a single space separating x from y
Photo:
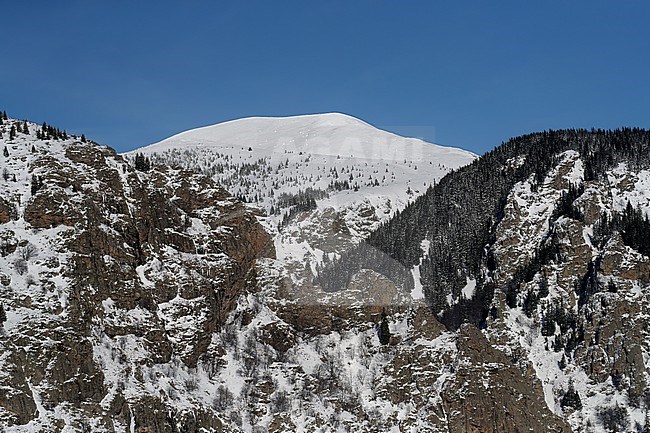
x=109 y=274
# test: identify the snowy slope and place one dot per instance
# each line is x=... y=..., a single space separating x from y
x=259 y=157
x=325 y=180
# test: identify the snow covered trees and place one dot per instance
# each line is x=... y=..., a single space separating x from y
x=614 y=418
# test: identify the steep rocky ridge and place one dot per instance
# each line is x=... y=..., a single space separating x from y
x=101 y=263
x=541 y=244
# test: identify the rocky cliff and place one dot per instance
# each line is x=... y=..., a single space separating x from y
x=114 y=282
x=543 y=245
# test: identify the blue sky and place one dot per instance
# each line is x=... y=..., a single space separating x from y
x=468 y=73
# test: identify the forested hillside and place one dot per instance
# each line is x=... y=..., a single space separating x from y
x=458 y=216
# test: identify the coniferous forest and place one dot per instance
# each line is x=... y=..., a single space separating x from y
x=458 y=217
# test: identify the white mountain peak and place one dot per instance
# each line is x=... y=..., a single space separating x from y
x=333 y=134
x=340 y=158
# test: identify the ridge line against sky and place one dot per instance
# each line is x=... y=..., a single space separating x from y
x=467 y=74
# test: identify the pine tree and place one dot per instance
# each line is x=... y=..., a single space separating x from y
x=83 y=138
x=384 y=329
x=5 y=152
x=3 y=315
x=571 y=398
x=142 y=163
x=4 y=114
x=12 y=132
x=37 y=183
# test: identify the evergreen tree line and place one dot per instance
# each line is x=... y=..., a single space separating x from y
x=336 y=275
x=48 y=132
x=142 y=163
x=459 y=215
x=303 y=201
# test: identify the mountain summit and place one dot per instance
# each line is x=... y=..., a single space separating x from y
x=258 y=157
x=331 y=134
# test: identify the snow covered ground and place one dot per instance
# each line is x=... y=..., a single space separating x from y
x=325 y=180
x=259 y=158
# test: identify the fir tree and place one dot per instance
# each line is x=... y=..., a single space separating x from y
x=37 y=184
x=384 y=329
x=142 y=163
x=3 y=315
x=83 y=138
x=5 y=152
x=12 y=132
x=571 y=398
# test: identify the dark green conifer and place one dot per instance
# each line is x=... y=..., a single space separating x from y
x=571 y=398
x=384 y=329
x=37 y=183
x=3 y=315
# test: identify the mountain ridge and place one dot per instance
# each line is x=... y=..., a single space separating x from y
x=332 y=119
x=146 y=298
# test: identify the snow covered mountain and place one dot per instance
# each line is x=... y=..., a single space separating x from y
x=544 y=244
x=266 y=160
x=325 y=180
x=108 y=274
x=151 y=300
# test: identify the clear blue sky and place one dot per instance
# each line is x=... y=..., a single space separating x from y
x=462 y=73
